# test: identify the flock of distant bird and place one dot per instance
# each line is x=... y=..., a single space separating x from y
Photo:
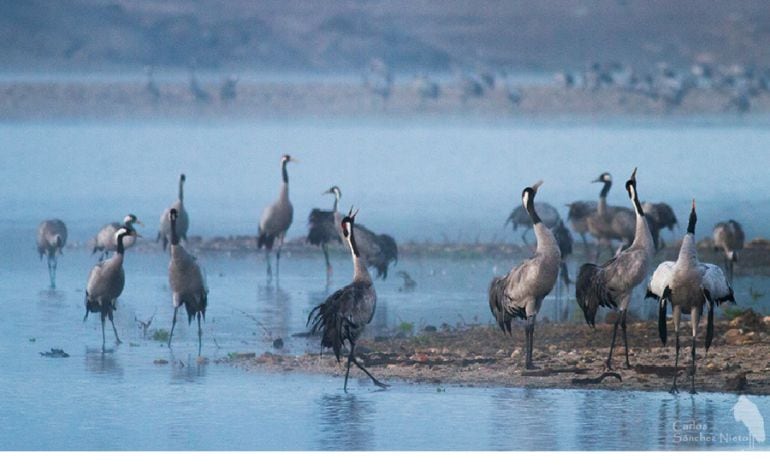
x=687 y=284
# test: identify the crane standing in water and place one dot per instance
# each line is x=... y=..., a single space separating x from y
x=344 y=315
x=51 y=238
x=276 y=219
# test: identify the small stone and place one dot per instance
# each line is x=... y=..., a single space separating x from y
x=733 y=336
x=278 y=343
x=160 y=361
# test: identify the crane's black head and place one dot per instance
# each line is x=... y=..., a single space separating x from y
x=173 y=214
x=347 y=230
x=693 y=219
x=603 y=178
x=182 y=178
x=286 y=158
x=132 y=218
x=347 y=223
x=335 y=190
x=528 y=200
x=632 y=194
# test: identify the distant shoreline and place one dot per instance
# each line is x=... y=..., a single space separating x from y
x=125 y=100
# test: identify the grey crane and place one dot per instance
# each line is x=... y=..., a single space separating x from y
x=324 y=227
x=105 y=283
x=151 y=87
x=688 y=284
x=105 y=241
x=659 y=216
x=729 y=237
x=550 y=217
x=426 y=88
x=519 y=217
x=188 y=287
x=344 y=315
x=197 y=91
x=228 y=92
x=611 y=284
x=578 y=214
x=520 y=293
x=377 y=250
x=183 y=220
x=51 y=238
x=610 y=223
x=276 y=219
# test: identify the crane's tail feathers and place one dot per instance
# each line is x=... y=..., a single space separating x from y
x=730 y=297
x=662 y=306
x=591 y=292
x=330 y=325
x=265 y=240
x=321 y=228
x=504 y=314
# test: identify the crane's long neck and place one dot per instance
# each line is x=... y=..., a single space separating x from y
x=642 y=234
x=688 y=252
x=602 y=207
x=336 y=203
x=546 y=242
x=174 y=235
x=181 y=189
x=285 y=186
x=360 y=273
x=121 y=248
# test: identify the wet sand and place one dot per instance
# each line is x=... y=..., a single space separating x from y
x=568 y=356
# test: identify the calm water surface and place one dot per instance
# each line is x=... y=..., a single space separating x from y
x=124 y=400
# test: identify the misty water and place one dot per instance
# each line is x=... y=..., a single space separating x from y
x=419 y=181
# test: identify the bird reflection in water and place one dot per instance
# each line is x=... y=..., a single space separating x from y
x=102 y=363
x=346 y=423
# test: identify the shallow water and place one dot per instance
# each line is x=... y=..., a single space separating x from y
x=122 y=400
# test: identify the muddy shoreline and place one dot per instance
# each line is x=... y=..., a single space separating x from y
x=569 y=356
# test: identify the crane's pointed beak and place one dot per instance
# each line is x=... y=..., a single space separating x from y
x=633 y=175
x=140 y=223
x=537 y=185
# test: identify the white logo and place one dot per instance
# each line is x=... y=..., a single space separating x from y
x=747 y=412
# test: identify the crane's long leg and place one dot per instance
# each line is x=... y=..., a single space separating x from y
x=173 y=324
x=200 y=335
x=104 y=340
x=329 y=269
x=530 y=335
x=347 y=370
x=269 y=268
x=625 y=336
x=117 y=339
x=692 y=368
x=278 y=257
x=52 y=271
x=608 y=363
x=694 y=319
x=674 y=389
x=352 y=358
